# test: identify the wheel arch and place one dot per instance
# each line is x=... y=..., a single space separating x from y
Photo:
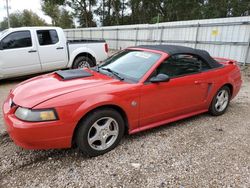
x=109 y=106
x=81 y=51
x=84 y=54
x=230 y=86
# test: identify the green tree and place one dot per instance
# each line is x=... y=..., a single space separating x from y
x=144 y=11
x=51 y=9
x=113 y=12
x=24 y=18
x=119 y=12
x=225 y=8
x=83 y=11
x=59 y=15
x=65 y=19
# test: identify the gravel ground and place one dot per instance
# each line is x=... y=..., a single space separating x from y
x=201 y=151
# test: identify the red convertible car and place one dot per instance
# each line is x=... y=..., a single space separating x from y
x=136 y=89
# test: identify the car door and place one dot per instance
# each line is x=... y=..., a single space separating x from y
x=52 y=51
x=184 y=93
x=18 y=54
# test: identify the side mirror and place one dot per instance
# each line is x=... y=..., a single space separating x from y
x=160 y=78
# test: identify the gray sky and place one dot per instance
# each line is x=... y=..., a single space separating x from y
x=20 y=5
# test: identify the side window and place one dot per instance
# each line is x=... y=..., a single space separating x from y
x=204 y=66
x=19 y=39
x=182 y=64
x=47 y=37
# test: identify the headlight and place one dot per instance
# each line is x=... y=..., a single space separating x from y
x=36 y=115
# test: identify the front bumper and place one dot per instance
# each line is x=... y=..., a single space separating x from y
x=37 y=135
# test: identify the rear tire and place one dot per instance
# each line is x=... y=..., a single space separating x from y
x=83 y=62
x=220 y=101
x=100 y=132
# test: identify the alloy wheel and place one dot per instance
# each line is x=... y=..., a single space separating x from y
x=222 y=100
x=103 y=133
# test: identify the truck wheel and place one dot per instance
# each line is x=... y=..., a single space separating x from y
x=100 y=132
x=220 y=102
x=83 y=62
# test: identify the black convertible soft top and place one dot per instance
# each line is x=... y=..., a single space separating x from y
x=174 y=49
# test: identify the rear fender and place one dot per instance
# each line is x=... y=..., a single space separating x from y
x=233 y=78
x=78 y=51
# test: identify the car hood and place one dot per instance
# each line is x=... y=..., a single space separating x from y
x=42 y=88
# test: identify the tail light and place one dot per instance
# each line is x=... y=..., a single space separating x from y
x=106 y=48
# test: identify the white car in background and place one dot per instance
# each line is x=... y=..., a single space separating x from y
x=30 y=50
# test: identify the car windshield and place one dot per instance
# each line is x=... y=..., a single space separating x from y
x=130 y=64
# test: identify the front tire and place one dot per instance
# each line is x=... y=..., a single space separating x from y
x=220 y=101
x=100 y=132
x=83 y=62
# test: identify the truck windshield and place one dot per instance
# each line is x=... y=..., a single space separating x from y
x=130 y=64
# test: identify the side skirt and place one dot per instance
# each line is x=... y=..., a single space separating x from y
x=157 y=124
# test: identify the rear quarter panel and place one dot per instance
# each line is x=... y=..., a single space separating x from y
x=97 y=50
x=228 y=74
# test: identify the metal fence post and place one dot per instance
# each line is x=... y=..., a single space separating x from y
x=74 y=34
x=136 y=35
x=196 y=35
x=161 y=34
x=150 y=34
x=66 y=34
x=117 y=38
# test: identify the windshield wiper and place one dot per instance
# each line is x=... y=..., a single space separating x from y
x=113 y=72
x=96 y=68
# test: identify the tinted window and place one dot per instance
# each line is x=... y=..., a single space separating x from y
x=182 y=64
x=47 y=37
x=19 y=39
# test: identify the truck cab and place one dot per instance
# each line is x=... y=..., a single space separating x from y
x=29 y=50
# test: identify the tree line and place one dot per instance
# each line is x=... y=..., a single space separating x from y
x=92 y=13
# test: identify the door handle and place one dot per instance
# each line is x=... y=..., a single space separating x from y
x=32 y=51
x=59 y=48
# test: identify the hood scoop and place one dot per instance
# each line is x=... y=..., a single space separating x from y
x=73 y=74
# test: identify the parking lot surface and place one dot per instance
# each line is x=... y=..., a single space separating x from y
x=202 y=151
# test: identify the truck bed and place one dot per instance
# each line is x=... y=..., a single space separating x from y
x=85 y=41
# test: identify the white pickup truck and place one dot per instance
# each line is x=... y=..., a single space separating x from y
x=30 y=50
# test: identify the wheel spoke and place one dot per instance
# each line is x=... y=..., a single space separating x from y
x=94 y=138
x=226 y=97
x=103 y=142
x=222 y=93
x=113 y=132
x=108 y=123
x=217 y=105
x=97 y=127
x=218 y=97
x=223 y=103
